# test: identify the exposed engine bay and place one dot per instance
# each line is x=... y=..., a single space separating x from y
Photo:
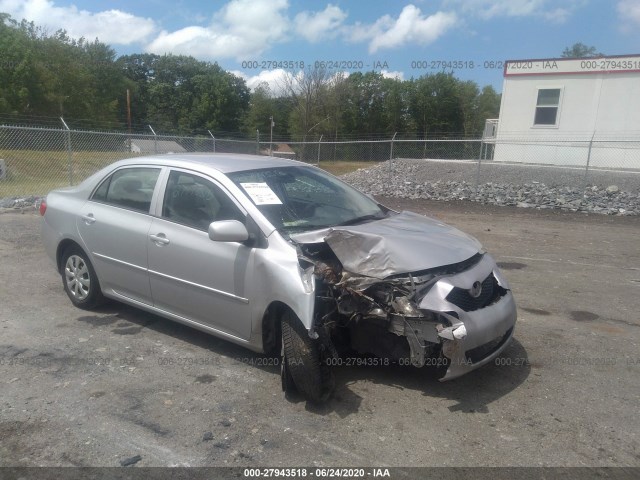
x=380 y=318
x=418 y=318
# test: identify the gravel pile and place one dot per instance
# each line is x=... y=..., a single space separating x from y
x=407 y=179
x=9 y=204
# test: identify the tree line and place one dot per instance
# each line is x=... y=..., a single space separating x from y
x=45 y=74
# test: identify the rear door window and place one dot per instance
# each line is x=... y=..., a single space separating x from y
x=130 y=188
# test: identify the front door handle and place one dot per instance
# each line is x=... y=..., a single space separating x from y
x=159 y=239
x=88 y=218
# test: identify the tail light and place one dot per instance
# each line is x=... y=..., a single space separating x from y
x=43 y=207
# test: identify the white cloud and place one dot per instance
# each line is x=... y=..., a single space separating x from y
x=629 y=11
x=557 y=11
x=316 y=26
x=276 y=79
x=395 y=74
x=242 y=29
x=411 y=26
x=110 y=26
x=493 y=8
x=558 y=15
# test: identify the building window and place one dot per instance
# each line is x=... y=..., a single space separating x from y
x=547 y=106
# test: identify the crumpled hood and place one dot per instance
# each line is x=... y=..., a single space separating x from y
x=401 y=243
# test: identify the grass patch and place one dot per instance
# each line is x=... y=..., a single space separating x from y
x=341 y=167
x=36 y=172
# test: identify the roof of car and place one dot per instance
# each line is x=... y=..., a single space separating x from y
x=223 y=162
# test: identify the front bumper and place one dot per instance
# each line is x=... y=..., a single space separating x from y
x=489 y=330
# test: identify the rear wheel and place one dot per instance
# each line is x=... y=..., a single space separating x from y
x=302 y=366
x=80 y=280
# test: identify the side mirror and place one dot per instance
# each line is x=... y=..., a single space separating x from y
x=228 y=231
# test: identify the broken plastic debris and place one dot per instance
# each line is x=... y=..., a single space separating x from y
x=130 y=461
x=453 y=333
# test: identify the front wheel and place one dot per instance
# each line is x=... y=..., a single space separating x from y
x=80 y=280
x=302 y=362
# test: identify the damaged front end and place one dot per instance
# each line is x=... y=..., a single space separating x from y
x=455 y=317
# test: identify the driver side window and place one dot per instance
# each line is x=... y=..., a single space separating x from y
x=196 y=202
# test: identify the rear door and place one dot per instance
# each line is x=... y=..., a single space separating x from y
x=114 y=225
x=192 y=276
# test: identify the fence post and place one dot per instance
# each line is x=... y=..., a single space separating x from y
x=586 y=170
x=155 y=139
x=319 y=142
x=392 y=140
x=69 y=151
x=479 y=163
x=391 y=152
x=214 y=141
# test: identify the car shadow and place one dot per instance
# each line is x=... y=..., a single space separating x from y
x=128 y=320
x=472 y=393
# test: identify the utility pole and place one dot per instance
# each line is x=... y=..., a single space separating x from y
x=272 y=123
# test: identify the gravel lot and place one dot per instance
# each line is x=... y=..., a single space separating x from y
x=527 y=186
x=96 y=388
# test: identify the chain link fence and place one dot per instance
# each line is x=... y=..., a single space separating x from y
x=34 y=161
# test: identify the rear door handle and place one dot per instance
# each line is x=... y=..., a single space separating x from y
x=88 y=218
x=160 y=239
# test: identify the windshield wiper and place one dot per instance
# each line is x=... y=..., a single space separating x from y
x=364 y=218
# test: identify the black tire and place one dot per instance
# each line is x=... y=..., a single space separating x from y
x=288 y=385
x=79 y=279
x=302 y=362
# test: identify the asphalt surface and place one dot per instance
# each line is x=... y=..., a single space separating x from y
x=95 y=388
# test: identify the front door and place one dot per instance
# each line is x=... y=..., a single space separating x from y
x=192 y=276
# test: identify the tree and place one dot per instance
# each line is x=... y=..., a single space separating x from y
x=181 y=94
x=488 y=107
x=139 y=70
x=308 y=90
x=396 y=106
x=55 y=75
x=435 y=105
x=17 y=72
x=468 y=95
x=261 y=108
x=580 y=50
x=365 y=107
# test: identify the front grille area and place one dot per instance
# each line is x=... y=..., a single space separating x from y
x=478 y=354
x=443 y=270
x=491 y=291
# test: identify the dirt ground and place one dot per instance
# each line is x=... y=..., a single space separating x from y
x=93 y=388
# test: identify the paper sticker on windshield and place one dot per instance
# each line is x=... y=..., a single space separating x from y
x=261 y=194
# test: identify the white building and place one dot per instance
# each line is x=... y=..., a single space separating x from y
x=570 y=111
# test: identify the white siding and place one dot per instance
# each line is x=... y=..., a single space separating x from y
x=605 y=103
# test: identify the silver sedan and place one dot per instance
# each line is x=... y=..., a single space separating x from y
x=284 y=259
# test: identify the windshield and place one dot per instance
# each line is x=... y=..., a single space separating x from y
x=297 y=199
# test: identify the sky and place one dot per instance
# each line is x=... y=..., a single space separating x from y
x=262 y=40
